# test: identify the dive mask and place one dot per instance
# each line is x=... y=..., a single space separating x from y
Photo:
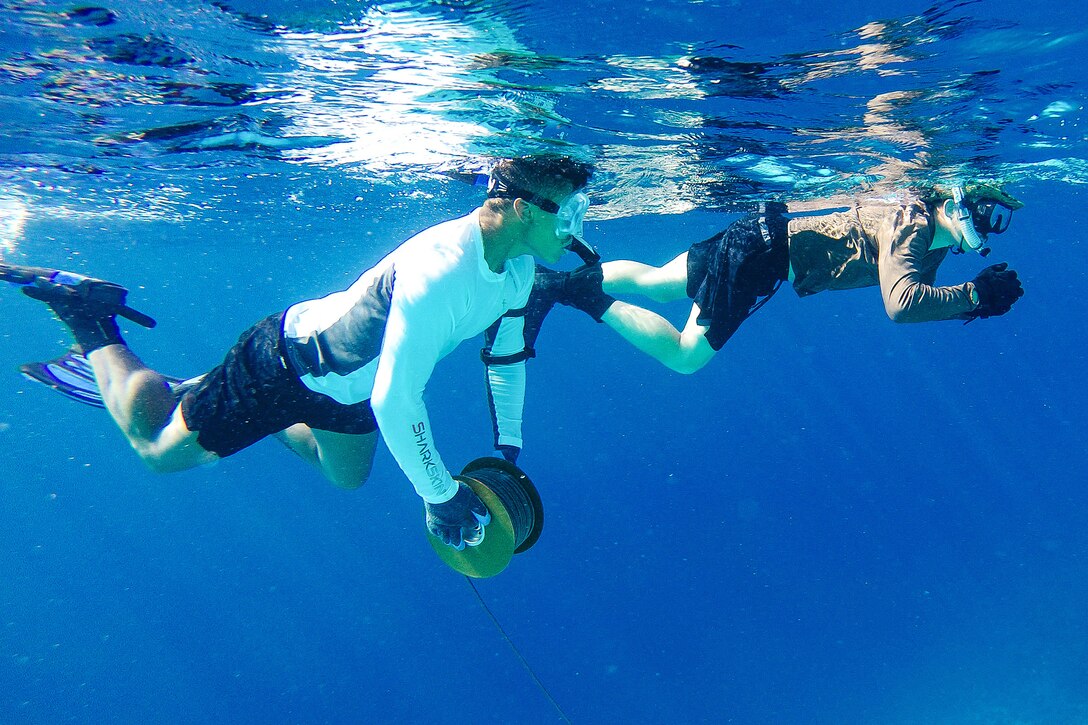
x=991 y=217
x=979 y=219
x=568 y=219
x=568 y=224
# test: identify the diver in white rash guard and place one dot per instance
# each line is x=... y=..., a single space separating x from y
x=327 y=374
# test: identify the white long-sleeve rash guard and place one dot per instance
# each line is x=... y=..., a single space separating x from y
x=381 y=338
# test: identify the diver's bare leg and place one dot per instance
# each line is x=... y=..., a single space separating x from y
x=143 y=407
x=343 y=458
x=684 y=351
x=660 y=284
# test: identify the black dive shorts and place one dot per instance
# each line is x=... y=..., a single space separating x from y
x=253 y=394
x=731 y=271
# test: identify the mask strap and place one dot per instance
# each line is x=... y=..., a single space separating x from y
x=498 y=188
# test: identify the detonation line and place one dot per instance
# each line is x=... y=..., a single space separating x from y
x=524 y=662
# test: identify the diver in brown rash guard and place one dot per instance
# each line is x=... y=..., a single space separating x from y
x=897 y=245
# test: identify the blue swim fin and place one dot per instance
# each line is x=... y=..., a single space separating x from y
x=71 y=375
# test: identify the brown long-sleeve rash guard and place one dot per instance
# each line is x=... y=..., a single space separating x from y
x=886 y=244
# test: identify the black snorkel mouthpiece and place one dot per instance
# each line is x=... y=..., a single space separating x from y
x=584 y=250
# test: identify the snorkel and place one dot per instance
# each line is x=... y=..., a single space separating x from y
x=964 y=220
x=584 y=250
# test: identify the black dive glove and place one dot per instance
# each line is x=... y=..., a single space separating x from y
x=583 y=290
x=997 y=287
x=459 y=521
x=510 y=453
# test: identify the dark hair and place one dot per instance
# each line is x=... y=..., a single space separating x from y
x=543 y=174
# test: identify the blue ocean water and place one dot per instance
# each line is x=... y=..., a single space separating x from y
x=839 y=520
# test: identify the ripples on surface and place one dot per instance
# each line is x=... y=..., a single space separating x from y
x=171 y=109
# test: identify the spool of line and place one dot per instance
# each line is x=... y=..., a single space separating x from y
x=517 y=518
